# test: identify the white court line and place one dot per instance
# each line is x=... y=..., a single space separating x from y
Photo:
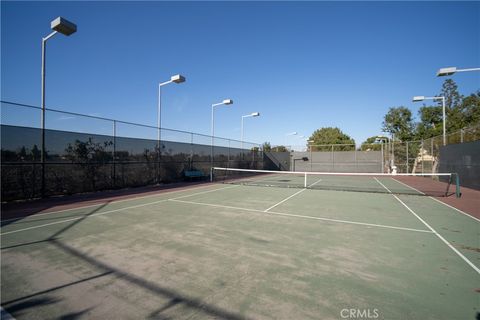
x=104 y=212
x=303 y=216
x=293 y=195
x=314 y=183
x=433 y=230
x=446 y=204
x=452 y=207
x=99 y=204
x=82 y=217
x=203 y=192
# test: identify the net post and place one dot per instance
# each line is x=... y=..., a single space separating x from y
x=305 y=180
x=458 y=194
x=211 y=174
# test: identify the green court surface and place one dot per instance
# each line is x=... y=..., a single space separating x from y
x=245 y=252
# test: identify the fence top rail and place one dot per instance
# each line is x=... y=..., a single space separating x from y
x=125 y=122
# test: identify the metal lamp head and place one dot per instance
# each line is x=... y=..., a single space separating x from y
x=418 y=98
x=255 y=114
x=228 y=101
x=63 y=26
x=177 y=78
x=446 y=71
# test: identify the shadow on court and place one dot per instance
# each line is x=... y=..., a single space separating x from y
x=15 y=211
x=19 y=306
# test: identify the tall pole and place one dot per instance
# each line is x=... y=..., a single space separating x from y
x=159 y=130
x=67 y=28
x=224 y=102
x=444 y=121
x=114 y=152
x=42 y=159
x=173 y=79
x=43 y=151
x=159 y=112
x=241 y=130
x=211 y=151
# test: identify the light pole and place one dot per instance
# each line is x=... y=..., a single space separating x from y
x=452 y=70
x=173 y=79
x=63 y=26
x=422 y=98
x=309 y=142
x=302 y=138
x=253 y=114
x=224 y=102
x=289 y=134
x=382 y=140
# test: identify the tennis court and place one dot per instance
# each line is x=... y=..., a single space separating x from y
x=237 y=251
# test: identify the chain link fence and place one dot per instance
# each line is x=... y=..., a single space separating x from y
x=86 y=153
x=423 y=156
x=339 y=158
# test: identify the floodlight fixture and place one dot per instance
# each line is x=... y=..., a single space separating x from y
x=418 y=98
x=422 y=98
x=452 y=70
x=177 y=78
x=63 y=26
x=227 y=101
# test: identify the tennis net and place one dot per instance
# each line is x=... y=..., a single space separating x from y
x=431 y=184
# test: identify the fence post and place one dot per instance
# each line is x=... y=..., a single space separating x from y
x=407 y=155
x=114 y=152
x=191 y=152
x=382 y=169
x=311 y=159
x=333 y=160
x=461 y=135
x=431 y=150
x=253 y=157
x=228 y=159
x=421 y=151
x=355 y=155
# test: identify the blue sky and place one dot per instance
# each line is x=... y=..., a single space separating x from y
x=302 y=65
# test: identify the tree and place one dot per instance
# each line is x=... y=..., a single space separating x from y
x=398 y=121
x=279 y=149
x=431 y=123
x=36 y=153
x=266 y=146
x=450 y=92
x=453 y=106
x=328 y=136
x=90 y=156
x=373 y=143
x=471 y=109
